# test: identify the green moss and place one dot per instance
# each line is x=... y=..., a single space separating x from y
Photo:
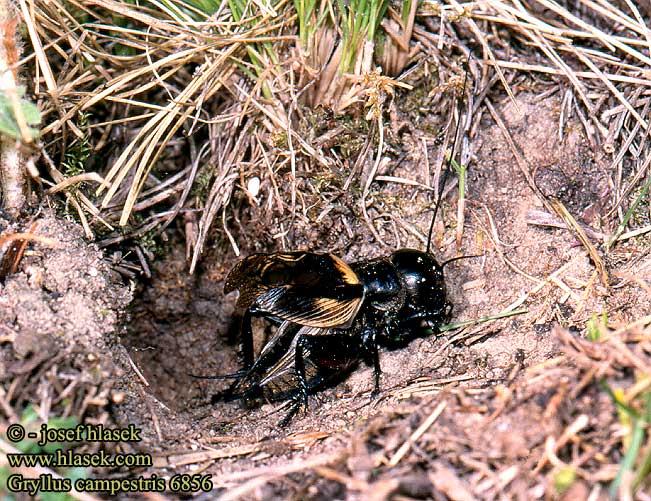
x=151 y=242
x=78 y=152
x=202 y=183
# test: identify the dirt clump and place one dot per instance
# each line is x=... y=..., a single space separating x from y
x=61 y=313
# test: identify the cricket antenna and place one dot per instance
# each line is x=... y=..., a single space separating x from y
x=452 y=260
x=448 y=164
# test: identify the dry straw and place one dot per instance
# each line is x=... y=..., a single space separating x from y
x=167 y=80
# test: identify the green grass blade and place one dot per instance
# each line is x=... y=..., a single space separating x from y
x=629 y=214
x=497 y=316
x=628 y=463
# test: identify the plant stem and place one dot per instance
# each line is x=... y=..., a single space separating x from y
x=12 y=171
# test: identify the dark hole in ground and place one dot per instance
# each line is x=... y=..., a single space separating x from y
x=179 y=328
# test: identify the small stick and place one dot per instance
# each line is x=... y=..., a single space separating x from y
x=425 y=425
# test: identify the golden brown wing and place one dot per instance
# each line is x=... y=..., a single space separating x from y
x=317 y=290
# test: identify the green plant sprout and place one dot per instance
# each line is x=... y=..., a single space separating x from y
x=595 y=326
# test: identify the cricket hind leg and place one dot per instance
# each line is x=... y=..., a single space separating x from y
x=246 y=337
x=244 y=331
x=320 y=361
x=249 y=381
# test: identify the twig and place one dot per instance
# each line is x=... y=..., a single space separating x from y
x=424 y=426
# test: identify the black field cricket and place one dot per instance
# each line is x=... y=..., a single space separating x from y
x=329 y=316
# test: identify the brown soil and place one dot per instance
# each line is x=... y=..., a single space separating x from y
x=503 y=388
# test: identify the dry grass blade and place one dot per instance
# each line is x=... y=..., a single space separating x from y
x=606 y=39
x=146 y=149
x=80 y=178
x=154 y=58
x=156 y=48
x=397 y=52
x=563 y=213
x=44 y=64
x=227 y=158
x=12 y=249
x=202 y=456
x=557 y=32
x=489 y=52
x=271 y=472
x=413 y=438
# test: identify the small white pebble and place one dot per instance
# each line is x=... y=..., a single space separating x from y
x=117 y=397
x=92 y=271
x=34 y=276
x=536 y=492
x=253 y=186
